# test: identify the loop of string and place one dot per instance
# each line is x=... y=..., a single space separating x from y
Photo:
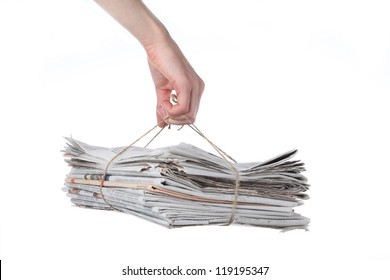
x=224 y=156
x=120 y=153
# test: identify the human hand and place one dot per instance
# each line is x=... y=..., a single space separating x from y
x=171 y=72
x=170 y=69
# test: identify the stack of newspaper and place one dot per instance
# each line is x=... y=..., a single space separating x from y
x=183 y=185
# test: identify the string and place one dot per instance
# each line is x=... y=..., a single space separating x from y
x=224 y=156
x=120 y=153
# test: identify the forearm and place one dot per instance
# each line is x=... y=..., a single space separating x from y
x=138 y=20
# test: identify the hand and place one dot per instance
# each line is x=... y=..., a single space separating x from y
x=171 y=71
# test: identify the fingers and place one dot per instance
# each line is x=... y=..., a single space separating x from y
x=186 y=108
x=171 y=71
x=163 y=97
x=164 y=117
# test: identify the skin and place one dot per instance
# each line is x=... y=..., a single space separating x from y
x=171 y=72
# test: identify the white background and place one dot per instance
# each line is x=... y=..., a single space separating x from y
x=312 y=75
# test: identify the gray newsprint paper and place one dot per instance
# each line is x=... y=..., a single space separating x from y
x=183 y=185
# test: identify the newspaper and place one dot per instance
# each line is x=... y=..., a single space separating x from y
x=183 y=185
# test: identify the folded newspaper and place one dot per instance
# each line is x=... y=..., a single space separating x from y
x=183 y=185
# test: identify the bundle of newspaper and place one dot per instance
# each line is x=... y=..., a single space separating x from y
x=184 y=185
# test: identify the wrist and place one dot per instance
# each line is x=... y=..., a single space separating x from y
x=156 y=38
